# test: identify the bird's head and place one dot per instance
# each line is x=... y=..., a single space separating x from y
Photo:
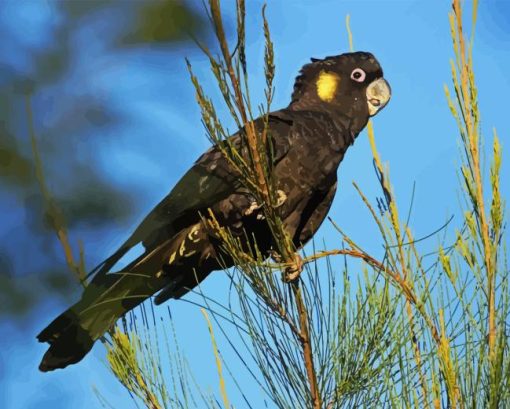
x=351 y=84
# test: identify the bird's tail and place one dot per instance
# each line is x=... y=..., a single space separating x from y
x=72 y=334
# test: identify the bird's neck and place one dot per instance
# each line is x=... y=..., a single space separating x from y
x=353 y=123
x=356 y=124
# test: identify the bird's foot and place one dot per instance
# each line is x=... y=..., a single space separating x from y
x=277 y=257
x=280 y=200
x=293 y=271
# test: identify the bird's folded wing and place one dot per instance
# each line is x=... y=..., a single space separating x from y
x=210 y=180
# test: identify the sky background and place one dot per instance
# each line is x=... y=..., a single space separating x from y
x=144 y=132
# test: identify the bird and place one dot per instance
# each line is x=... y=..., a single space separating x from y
x=332 y=101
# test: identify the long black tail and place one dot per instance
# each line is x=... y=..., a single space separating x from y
x=110 y=295
x=69 y=342
x=72 y=334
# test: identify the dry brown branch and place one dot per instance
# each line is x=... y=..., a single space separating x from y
x=306 y=345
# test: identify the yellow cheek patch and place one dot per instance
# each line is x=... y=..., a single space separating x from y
x=327 y=86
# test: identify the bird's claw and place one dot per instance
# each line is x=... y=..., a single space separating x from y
x=275 y=256
x=280 y=200
x=293 y=271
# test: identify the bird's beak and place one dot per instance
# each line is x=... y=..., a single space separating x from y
x=378 y=95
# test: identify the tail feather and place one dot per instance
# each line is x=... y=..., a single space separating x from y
x=57 y=326
x=109 y=296
x=67 y=346
x=72 y=334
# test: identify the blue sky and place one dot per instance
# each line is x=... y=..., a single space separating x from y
x=160 y=136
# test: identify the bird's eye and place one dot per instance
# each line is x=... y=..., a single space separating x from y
x=358 y=75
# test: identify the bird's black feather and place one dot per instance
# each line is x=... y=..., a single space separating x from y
x=308 y=141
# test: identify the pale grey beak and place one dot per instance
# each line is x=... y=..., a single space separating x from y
x=378 y=95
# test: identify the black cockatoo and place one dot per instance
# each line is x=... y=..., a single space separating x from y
x=332 y=101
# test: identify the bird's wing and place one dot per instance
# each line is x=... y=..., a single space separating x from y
x=209 y=180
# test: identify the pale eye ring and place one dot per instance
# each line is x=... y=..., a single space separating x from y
x=358 y=75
